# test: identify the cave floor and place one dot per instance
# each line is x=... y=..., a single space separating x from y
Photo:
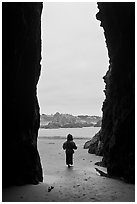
x=80 y=183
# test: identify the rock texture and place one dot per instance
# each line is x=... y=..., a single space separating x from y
x=21 y=49
x=118 y=123
x=60 y=120
x=95 y=146
x=21 y=55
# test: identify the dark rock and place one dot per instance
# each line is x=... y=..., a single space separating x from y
x=94 y=145
x=87 y=144
x=50 y=188
x=101 y=173
x=21 y=55
x=118 y=122
x=98 y=124
x=101 y=163
x=92 y=141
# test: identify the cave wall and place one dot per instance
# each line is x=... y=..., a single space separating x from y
x=118 y=123
x=21 y=55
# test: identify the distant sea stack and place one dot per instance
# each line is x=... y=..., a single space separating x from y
x=59 y=120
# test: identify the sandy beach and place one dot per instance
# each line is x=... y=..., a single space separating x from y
x=80 y=183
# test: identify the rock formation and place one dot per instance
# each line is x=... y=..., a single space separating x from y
x=118 y=123
x=95 y=146
x=21 y=55
x=60 y=120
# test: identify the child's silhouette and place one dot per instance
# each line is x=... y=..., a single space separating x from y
x=69 y=146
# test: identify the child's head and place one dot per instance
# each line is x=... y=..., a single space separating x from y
x=69 y=137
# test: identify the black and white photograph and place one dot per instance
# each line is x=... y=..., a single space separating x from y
x=68 y=101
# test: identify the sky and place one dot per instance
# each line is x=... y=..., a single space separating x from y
x=74 y=59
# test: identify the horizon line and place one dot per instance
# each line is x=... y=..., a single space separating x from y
x=69 y=114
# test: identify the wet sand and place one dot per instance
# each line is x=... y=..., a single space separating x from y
x=80 y=183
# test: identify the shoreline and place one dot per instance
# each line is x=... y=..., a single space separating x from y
x=64 y=138
x=80 y=183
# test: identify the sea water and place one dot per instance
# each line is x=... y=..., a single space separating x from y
x=61 y=133
x=50 y=143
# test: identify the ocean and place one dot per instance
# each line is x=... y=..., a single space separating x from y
x=61 y=133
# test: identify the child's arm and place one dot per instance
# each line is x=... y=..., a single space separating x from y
x=64 y=145
x=74 y=146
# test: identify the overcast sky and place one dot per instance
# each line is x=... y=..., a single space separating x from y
x=74 y=59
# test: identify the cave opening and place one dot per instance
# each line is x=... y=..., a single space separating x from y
x=74 y=61
x=21 y=56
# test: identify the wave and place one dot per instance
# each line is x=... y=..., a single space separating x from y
x=61 y=137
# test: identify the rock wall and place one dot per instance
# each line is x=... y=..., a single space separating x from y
x=21 y=55
x=118 y=123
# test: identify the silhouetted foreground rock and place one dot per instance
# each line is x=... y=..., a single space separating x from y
x=94 y=145
x=21 y=55
x=118 y=122
x=116 y=140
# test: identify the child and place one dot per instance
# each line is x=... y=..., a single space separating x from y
x=69 y=146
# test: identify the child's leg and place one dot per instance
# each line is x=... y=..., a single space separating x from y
x=71 y=159
x=68 y=159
